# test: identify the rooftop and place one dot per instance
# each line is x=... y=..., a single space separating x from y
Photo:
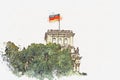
x=66 y=33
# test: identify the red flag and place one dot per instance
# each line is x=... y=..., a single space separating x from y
x=55 y=17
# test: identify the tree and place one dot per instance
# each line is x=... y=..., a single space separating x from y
x=39 y=60
x=11 y=48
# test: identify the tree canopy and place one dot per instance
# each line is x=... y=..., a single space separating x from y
x=38 y=60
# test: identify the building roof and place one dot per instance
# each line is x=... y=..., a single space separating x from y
x=65 y=33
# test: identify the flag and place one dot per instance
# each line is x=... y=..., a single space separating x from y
x=55 y=17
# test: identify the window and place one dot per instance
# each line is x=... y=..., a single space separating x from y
x=54 y=40
x=60 y=41
x=65 y=41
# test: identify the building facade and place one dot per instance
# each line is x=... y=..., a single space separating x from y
x=62 y=37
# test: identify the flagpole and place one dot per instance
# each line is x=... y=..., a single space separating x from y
x=58 y=27
x=59 y=23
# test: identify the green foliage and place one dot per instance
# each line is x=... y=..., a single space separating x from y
x=39 y=60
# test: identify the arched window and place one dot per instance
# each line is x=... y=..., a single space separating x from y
x=60 y=41
x=65 y=41
x=54 y=40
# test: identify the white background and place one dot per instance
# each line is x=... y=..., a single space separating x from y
x=94 y=22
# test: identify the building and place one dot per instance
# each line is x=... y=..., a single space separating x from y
x=65 y=39
x=62 y=37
